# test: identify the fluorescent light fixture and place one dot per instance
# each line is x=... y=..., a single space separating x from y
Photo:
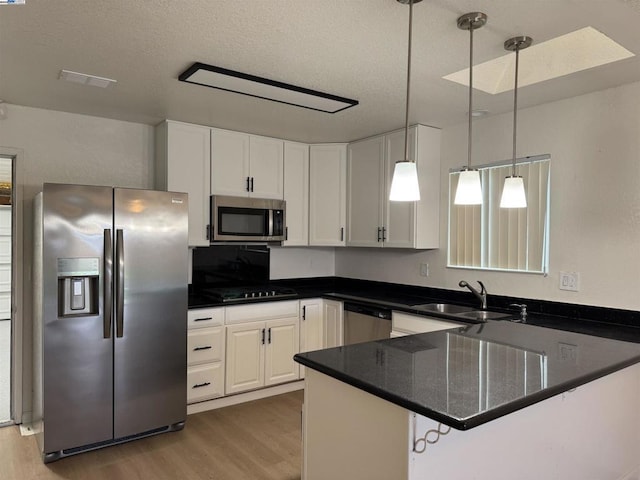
x=469 y=190
x=85 y=79
x=253 y=86
x=404 y=186
x=576 y=51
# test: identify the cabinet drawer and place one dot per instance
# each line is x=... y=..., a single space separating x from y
x=205 y=317
x=261 y=311
x=205 y=345
x=205 y=382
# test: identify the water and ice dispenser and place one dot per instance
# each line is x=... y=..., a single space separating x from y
x=78 y=283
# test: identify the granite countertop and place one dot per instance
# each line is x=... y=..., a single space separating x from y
x=467 y=376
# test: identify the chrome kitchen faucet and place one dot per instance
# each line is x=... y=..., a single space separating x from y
x=482 y=294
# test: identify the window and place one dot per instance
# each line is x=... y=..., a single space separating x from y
x=493 y=238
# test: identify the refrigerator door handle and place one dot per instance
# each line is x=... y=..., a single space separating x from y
x=107 y=286
x=119 y=283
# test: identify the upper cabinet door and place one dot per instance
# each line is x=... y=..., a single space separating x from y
x=266 y=167
x=399 y=217
x=296 y=193
x=365 y=176
x=229 y=163
x=327 y=194
x=183 y=165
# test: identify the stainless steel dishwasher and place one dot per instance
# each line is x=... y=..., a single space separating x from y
x=364 y=323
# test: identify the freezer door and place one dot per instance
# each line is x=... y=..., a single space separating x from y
x=151 y=275
x=76 y=356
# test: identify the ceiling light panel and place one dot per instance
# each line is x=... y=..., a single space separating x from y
x=251 y=85
x=576 y=51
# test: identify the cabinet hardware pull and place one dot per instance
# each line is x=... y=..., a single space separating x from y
x=198 y=385
x=263 y=336
x=203 y=319
x=379 y=232
x=286 y=233
x=248 y=188
x=384 y=234
x=304 y=312
x=208 y=232
x=252 y=184
x=208 y=347
x=341 y=234
x=269 y=335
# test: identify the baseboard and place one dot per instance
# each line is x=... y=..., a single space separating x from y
x=244 y=397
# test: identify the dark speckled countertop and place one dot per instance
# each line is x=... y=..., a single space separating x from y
x=467 y=376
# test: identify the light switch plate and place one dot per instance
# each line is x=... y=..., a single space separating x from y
x=570 y=281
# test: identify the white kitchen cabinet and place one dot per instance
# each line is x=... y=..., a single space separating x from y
x=311 y=327
x=183 y=165
x=296 y=193
x=332 y=314
x=407 y=324
x=205 y=354
x=373 y=220
x=261 y=342
x=244 y=165
x=327 y=194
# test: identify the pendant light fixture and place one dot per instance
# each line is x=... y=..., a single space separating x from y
x=469 y=191
x=513 y=194
x=404 y=185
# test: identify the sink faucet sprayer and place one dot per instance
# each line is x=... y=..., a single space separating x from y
x=482 y=294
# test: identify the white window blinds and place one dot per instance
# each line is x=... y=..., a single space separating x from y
x=489 y=237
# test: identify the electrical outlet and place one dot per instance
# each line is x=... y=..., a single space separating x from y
x=424 y=269
x=568 y=353
x=570 y=281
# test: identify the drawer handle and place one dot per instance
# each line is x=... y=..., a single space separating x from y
x=202 y=348
x=198 y=385
x=203 y=319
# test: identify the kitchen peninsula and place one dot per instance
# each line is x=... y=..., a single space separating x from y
x=497 y=400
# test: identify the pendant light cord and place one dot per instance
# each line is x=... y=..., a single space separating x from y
x=515 y=111
x=470 y=94
x=406 y=117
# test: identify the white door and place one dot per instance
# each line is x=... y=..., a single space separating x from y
x=282 y=344
x=296 y=193
x=399 y=217
x=188 y=170
x=327 y=194
x=365 y=192
x=311 y=327
x=266 y=167
x=229 y=163
x=245 y=357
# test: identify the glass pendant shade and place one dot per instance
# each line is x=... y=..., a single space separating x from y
x=404 y=185
x=513 y=195
x=469 y=191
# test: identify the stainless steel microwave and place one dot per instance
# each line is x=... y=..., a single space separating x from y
x=246 y=219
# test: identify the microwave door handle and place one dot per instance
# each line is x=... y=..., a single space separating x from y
x=270 y=223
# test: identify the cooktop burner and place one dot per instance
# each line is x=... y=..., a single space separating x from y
x=249 y=293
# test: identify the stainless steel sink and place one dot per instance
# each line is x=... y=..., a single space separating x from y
x=460 y=312
x=483 y=315
x=446 y=308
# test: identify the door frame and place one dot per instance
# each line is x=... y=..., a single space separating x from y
x=17 y=276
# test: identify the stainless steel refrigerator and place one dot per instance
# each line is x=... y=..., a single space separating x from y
x=110 y=316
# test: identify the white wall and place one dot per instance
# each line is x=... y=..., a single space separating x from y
x=594 y=142
x=69 y=148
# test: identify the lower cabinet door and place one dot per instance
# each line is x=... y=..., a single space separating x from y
x=245 y=357
x=205 y=382
x=283 y=343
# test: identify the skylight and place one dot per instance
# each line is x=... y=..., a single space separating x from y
x=576 y=51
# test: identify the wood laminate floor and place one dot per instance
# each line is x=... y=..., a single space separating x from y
x=254 y=440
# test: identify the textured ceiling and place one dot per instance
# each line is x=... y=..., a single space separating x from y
x=352 y=48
